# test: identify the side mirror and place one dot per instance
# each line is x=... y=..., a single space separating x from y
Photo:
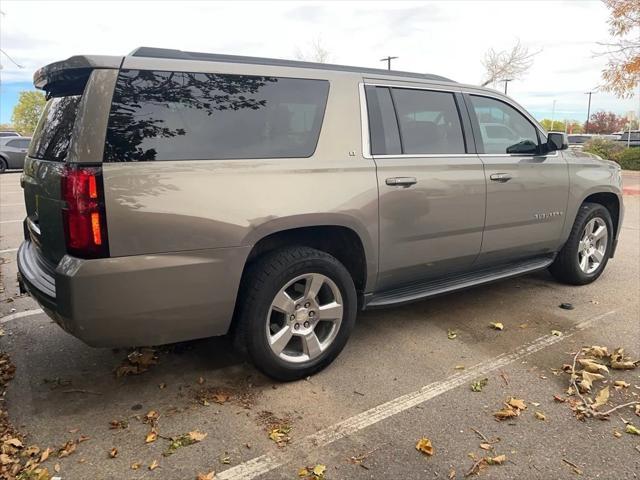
x=557 y=141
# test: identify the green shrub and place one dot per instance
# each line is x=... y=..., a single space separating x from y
x=629 y=159
x=606 y=149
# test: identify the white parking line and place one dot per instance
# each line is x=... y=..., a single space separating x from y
x=8 y=250
x=11 y=221
x=26 y=313
x=265 y=463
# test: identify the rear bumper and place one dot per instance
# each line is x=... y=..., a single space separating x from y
x=139 y=300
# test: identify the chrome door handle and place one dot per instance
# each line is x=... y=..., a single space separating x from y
x=401 y=181
x=500 y=177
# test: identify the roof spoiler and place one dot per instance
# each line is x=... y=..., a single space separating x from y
x=68 y=77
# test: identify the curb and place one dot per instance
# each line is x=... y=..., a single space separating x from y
x=631 y=191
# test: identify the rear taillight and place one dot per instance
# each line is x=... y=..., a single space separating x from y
x=84 y=218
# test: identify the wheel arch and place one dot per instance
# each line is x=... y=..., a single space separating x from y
x=341 y=241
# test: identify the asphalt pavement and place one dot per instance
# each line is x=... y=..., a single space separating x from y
x=400 y=378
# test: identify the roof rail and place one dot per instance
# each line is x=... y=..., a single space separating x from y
x=216 y=57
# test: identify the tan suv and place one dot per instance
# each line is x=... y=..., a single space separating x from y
x=175 y=195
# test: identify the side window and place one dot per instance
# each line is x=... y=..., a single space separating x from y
x=24 y=143
x=429 y=122
x=13 y=143
x=503 y=128
x=200 y=116
x=383 y=126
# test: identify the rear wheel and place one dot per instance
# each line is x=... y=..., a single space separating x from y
x=3 y=165
x=298 y=310
x=587 y=251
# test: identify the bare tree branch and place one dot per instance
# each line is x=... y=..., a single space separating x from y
x=507 y=64
x=316 y=52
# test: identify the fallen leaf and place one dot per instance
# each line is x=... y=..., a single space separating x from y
x=631 y=429
x=517 y=403
x=459 y=367
x=558 y=398
x=587 y=380
x=506 y=413
x=424 y=446
x=206 y=476
x=151 y=417
x=162 y=386
x=452 y=474
x=486 y=446
x=220 y=398
x=136 y=466
x=197 y=436
x=617 y=434
x=638 y=409
x=592 y=366
x=619 y=363
x=556 y=333
x=499 y=460
x=540 y=416
x=596 y=351
x=478 y=385
x=200 y=380
x=151 y=437
x=496 y=325
x=56 y=468
x=118 y=424
x=153 y=465
x=319 y=470
x=45 y=454
x=67 y=449
x=601 y=398
x=621 y=384
x=113 y=453
x=280 y=434
x=451 y=334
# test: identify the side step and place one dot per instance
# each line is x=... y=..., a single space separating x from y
x=420 y=290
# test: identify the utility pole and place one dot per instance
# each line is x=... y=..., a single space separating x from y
x=506 y=82
x=553 y=116
x=586 y=124
x=388 y=60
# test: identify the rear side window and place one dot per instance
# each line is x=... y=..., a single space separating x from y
x=53 y=133
x=383 y=125
x=197 y=116
x=429 y=122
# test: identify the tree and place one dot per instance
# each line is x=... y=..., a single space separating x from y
x=606 y=122
x=27 y=112
x=574 y=126
x=622 y=72
x=507 y=64
x=316 y=52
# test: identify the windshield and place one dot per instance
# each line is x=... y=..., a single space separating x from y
x=53 y=133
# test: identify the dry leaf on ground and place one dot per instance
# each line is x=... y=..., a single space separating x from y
x=540 y=416
x=632 y=429
x=478 y=385
x=153 y=465
x=184 y=441
x=496 y=325
x=424 y=446
x=601 y=398
x=206 y=476
x=315 y=472
x=113 y=453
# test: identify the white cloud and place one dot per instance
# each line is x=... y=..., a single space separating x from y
x=447 y=38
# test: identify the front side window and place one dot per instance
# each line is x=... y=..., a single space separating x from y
x=429 y=122
x=504 y=129
x=197 y=116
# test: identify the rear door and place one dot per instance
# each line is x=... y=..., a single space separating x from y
x=431 y=183
x=527 y=190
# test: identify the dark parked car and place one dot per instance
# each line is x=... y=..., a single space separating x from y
x=12 y=152
x=631 y=138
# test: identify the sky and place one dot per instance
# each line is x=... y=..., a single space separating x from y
x=448 y=38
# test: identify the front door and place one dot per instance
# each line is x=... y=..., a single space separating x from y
x=431 y=184
x=527 y=191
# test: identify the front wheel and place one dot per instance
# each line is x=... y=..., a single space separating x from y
x=587 y=251
x=297 y=312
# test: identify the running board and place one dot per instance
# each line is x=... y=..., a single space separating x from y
x=420 y=290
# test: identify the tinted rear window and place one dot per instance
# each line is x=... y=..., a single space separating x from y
x=197 y=116
x=53 y=133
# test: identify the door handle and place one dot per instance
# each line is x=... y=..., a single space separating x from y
x=500 y=177
x=401 y=181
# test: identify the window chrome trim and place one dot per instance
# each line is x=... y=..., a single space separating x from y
x=364 y=122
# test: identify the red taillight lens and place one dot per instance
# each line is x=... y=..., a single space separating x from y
x=84 y=216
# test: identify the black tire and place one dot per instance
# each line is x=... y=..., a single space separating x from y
x=565 y=267
x=263 y=280
x=3 y=165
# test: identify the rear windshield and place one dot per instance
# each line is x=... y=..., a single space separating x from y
x=197 y=116
x=53 y=133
